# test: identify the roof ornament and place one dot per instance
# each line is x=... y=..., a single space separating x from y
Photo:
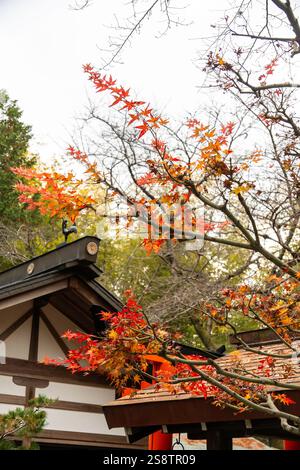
x=67 y=231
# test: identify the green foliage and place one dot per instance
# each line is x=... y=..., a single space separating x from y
x=18 y=227
x=14 y=141
x=22 y=424
x=127 y=266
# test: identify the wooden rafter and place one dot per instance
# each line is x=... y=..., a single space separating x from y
x=62 y=345
x=34 y=337
x=66 y=309
x=15 y=325
x=17 y=296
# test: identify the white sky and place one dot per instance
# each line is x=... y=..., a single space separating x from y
x=44 y=44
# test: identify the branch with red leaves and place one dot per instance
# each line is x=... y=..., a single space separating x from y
x=126 y=347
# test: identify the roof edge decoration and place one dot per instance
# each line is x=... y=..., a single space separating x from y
x=83 y=251
x=67 y=261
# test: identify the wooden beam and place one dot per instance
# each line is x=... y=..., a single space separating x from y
x=72 y=302
x=15 y=325
x=23 y=368
x=83 y=438
x=19 y=298
x=29 y=394
x=258 y=427
x=111 y=303
x=34 y=337
x=87 y=294
x=57 y=405
x=77 y=406
x=65 y=308
x=12 y=399
x=24 y=381
x=62 y=345
x=32 y=356
x=136 y=434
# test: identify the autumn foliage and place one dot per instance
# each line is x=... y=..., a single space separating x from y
x=250 y=193
x=52 y=193
x=130 y=343
x=57 y=194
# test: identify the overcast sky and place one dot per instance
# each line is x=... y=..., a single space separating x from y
x=44 y=44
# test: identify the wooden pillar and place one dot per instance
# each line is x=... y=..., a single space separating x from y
x=160 y=441
x=32 y=356
x=34 y=337
x=218 y=440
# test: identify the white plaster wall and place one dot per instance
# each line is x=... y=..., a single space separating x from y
x=47 y=345
x=61 y=323
x=79 y=422
x=11 y=314
x=6 y=408
x=78 y=393
x=58 y=320
x=17 y=344
x=8 y=387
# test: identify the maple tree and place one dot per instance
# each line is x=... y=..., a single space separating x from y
x=130 y=342
x=251 y=199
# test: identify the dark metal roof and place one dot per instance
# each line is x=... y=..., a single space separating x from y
x=72 y=260
x=64 y=256
x=259 y=337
